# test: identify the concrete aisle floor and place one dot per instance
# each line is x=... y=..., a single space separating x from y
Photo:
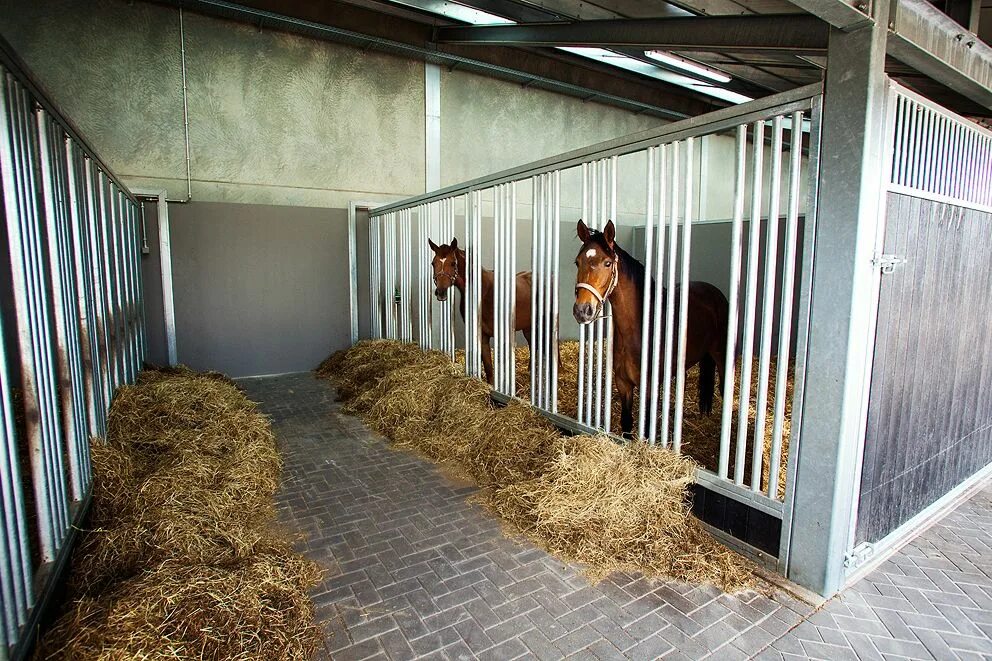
x=418 y=572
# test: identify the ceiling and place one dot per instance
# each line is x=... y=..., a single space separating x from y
x=693 y=82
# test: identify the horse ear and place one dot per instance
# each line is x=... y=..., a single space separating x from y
x=454 y=243
x=610 y=234
x=583 y=231
x=432 y=245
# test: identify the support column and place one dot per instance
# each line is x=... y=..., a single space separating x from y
x=432 y=128
x=842 y=305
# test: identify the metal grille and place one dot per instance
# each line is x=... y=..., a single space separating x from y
x=939 y=155
x=72 y=333
x=769 y=252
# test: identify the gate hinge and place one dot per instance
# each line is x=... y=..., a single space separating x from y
x=858 y=555
x=886 y=263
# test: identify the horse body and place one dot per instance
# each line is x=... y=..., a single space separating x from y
x=615 y=275
x=449 y=270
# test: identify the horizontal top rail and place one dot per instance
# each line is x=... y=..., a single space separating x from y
x=12 y=62
x=712 y=122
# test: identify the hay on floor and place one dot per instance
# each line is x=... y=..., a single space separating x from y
x=181 y=557
x=587 y=499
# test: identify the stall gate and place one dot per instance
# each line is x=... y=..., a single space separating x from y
x=929 y=420
x=745 y=486
x=71 y=331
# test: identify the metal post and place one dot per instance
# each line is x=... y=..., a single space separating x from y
x=673 y=246
x=726 y=416
x=684 y=298
x=768 y=309
x=841 y=305
x=652 y=156
x=750 y=298
x=660 y=294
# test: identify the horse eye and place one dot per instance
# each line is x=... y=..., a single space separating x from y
x=607 y=263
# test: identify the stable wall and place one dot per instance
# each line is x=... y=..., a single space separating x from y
x=276 y=121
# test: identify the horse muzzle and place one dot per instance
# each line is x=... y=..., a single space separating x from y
x=583 y=312
x=441 y=294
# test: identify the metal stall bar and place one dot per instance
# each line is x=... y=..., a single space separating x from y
x=673 y=246
x=78 y=219
x=92 y=226
x=785 y=310
x=375 y=288
x=598 y=204
x=652 y=156
x=423 y=262
x=472 y=317
x=536 y=299
x=582 y=391
x=768 y=308
x=555 y=349
x=660 y=293
x=16 y=589
x=66 y=317
x=610 y=210
x=18 y=165
x=750 y=300
x=511 y=268
x=733 y=298
x=405 y=247
x=471 y=347
x=499 y=286
x=684 y=297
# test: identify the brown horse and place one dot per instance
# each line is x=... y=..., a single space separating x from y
x=449 y=269
x=607 y=272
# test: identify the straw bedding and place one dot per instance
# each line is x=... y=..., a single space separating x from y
x=700 y=433
x=181 y=558
x=584 y=498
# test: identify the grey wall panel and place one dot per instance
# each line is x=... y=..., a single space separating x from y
x=151 y=280
x=930 y=404
x=259 y=289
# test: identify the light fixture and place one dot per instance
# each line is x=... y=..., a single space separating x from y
x=687 y=65
x=644 y=68
x=456 y=11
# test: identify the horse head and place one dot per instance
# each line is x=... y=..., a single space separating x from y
x=445 y=265
x=598 y=271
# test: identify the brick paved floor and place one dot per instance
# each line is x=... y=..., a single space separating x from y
x=418 y=572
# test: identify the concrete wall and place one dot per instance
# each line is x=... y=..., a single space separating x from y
x=276 y=121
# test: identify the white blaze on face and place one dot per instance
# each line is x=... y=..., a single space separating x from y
x=591 y=253
x=442 y=259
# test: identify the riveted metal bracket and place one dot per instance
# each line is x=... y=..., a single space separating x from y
x=859 y=555
x=887 y=263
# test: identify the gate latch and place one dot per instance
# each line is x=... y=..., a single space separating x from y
x=887 y=263
x=859 y=554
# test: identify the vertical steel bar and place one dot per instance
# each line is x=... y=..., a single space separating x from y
x=652 y=155
x=684 y=298
x=660 y=293
x=64 y=339
x=582 y=393
x=733 y=296
x=753 y=258
x=599 y=190
x=785 y=312
x=673 y=247
x=768 y=308
x=512 y=271
x=546 y=346
x=608 y=387
x=555 y=286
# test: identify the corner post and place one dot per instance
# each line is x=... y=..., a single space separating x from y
x=842 y=304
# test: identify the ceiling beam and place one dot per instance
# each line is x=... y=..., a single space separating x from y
x=790 y=33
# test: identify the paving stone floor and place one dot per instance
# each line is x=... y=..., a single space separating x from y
x=419 y=572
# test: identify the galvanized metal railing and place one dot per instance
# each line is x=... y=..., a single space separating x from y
x=937 y=154
x=71 y=332
x=770 y=255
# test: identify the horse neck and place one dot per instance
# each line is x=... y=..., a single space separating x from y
x=627 y=299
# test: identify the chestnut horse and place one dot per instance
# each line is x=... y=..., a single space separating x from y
x=449 y=269
x=607 y=272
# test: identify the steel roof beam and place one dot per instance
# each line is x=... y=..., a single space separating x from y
x=789 y=33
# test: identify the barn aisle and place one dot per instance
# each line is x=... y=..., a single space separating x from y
x=418 y=572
